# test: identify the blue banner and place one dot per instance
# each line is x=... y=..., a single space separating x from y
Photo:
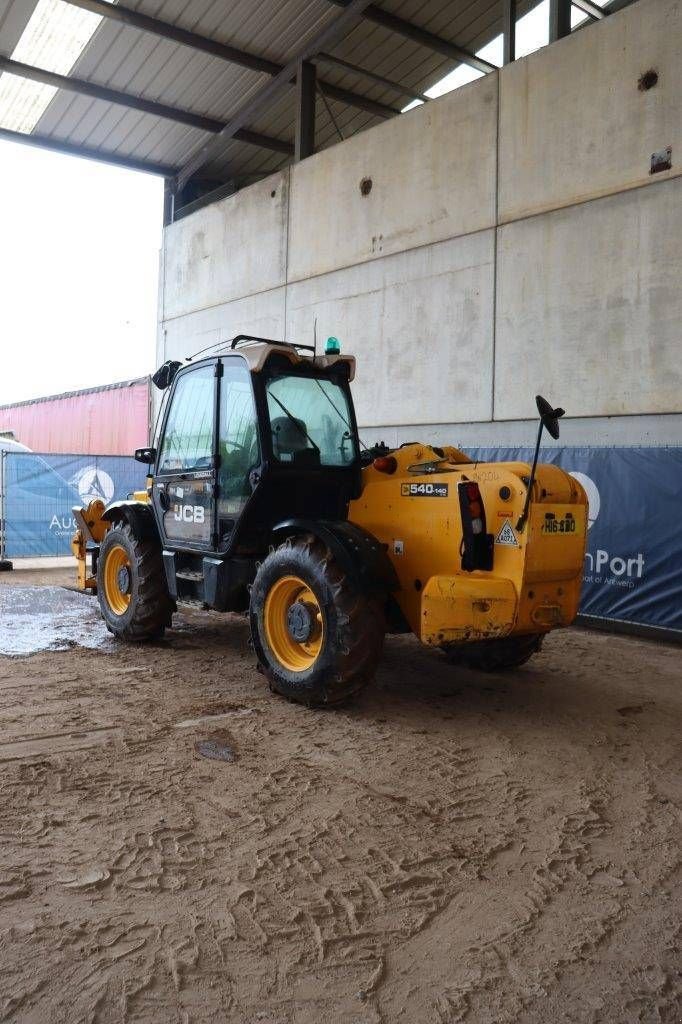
x=41 y=490
x=633 y=565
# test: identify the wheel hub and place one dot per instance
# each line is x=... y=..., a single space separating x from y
x=301 y=621
x=117 y=579
x=293 y=624
x=123 y=579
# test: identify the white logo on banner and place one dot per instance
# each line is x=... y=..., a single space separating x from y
x=603 y=566
x=594 y=501
x=92 y=483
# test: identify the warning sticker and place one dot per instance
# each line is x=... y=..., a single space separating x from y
x=507 y=536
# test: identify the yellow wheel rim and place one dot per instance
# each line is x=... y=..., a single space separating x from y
x=295 y=655
x=116 y=572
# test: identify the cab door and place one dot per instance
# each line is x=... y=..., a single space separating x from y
x=185 y=480
x=238 y=447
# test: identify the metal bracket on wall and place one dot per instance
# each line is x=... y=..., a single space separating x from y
x=661 y=160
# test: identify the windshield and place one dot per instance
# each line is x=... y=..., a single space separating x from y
x=310 y=421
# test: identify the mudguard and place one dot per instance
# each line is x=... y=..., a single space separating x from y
x=138 y=514
x=362 y=557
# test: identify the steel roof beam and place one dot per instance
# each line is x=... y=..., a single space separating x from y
x=353 y=99
x=223 y=51
x=86 y=152
x=508 y=31
x=124 y=99
x=326 y=37
x=306 y=102
x=264 y=141
x=559 y=19
x=329 y=58
x=593 y=10
x=422 y=36
x=116 y=12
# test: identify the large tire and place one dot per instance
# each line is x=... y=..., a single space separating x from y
x=317 y=637
x=494 y=655
x=131 y=585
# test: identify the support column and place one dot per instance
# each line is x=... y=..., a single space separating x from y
x=305 y=110
x=559 y=19
x=168 y=201
x=5 y=564
x=509 y=30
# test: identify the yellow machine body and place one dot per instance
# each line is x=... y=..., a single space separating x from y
x=534 y=583
x=90 y=532
x=91 y=528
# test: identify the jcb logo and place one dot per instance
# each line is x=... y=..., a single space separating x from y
x=188 y=513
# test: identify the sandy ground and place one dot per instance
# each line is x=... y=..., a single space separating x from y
x=451 y=847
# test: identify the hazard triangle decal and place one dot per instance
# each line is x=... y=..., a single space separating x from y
x=507 y=536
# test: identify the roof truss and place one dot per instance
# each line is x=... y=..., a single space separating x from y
x=282 y=76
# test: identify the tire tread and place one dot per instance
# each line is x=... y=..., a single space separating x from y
x=360 y=629
x=153 y=609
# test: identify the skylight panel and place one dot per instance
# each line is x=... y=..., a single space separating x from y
x=55 y=37
x=532 y=32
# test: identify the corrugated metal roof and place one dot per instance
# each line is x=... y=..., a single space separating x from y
x=77 y=394
x=136 y=62
x=14 y=17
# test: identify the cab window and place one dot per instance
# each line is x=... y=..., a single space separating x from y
x=188 y=438
x=310 y=421
x=239 y=446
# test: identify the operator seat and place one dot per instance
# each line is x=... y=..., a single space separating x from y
x=290 y=444
x=236 y=465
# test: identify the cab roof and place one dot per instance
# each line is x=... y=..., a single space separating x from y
x=257 y=353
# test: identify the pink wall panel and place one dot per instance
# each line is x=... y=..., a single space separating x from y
x=109 y=421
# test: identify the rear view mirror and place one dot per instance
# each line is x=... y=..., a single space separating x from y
x=164 y=376
x=550 y=417
x=145 y=455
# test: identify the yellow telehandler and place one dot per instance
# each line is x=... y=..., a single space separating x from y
x=260 y=498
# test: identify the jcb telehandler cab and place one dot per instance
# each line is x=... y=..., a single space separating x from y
x=259 y=498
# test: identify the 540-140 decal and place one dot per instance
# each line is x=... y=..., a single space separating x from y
x=424 y=490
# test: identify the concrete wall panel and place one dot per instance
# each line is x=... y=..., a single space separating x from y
x=420 y=325
x=229 y=249
x=583 y=431
x=589 y=307
x=261 y=314
x=573 y=123
x=587 y=304
x=433 y=177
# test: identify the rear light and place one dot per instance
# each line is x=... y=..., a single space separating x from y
x=386 y=464
x=477 y=545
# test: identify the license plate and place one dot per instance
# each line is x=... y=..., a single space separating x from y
x=559 y=525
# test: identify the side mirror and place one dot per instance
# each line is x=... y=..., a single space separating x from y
x=165 y=375
x=145 y=455
x=550 y=417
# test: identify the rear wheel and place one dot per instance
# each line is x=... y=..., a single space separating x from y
x=317 y=637
x=131 y=585
x=494 y=655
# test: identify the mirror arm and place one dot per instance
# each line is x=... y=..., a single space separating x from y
x=524 y=515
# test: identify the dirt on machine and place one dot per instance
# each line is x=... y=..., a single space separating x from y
x=261 y=499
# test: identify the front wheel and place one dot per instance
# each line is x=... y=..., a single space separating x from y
x=317 y=637
x=131 y=585
x=494 y=655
